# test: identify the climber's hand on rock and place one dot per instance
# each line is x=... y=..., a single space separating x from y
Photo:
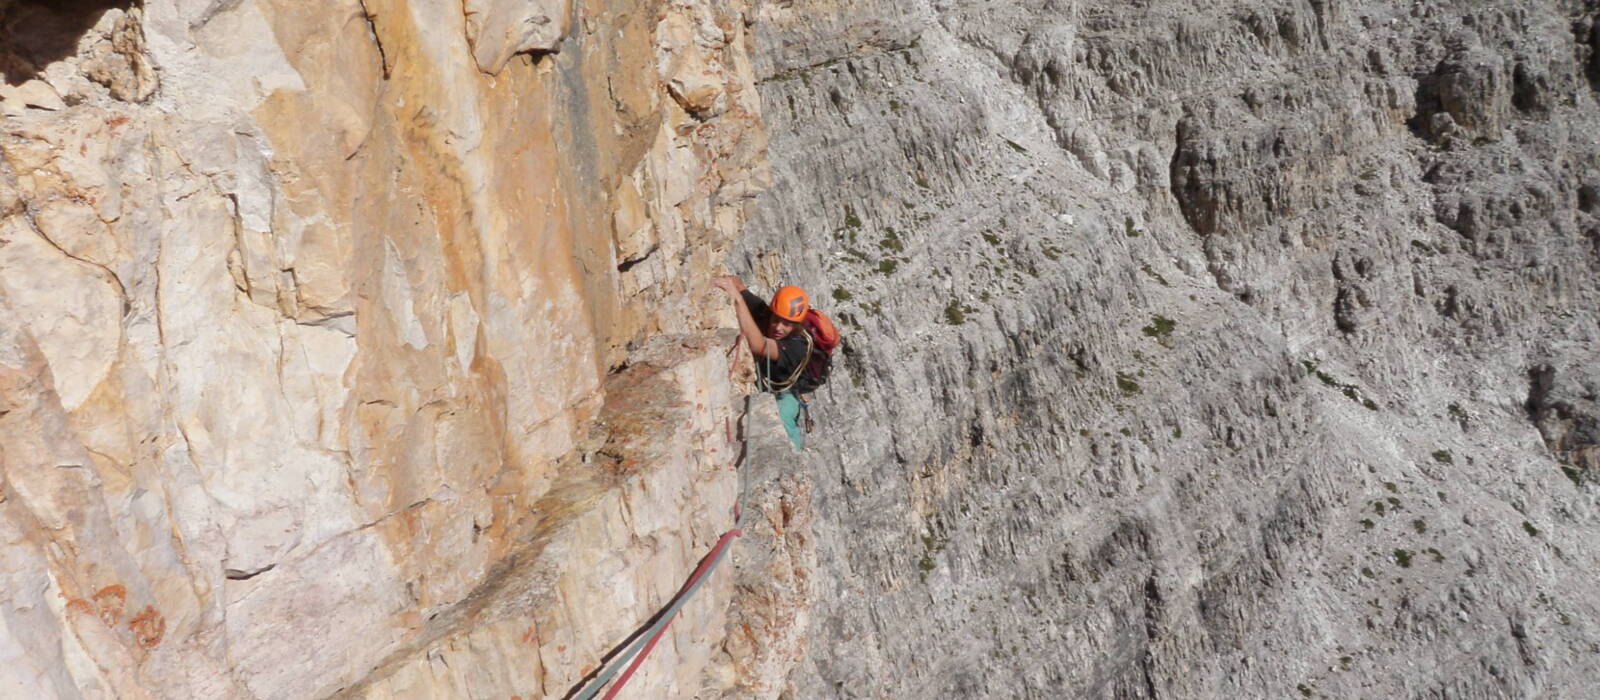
x=729 y=284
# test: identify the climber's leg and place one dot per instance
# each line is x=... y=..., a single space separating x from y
x=789 y=413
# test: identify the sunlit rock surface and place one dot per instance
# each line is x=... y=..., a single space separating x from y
x=1242 y=348
x=337 y=344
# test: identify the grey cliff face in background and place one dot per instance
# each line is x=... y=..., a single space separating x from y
x=1192 y=349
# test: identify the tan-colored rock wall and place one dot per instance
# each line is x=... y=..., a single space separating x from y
x=306 y=324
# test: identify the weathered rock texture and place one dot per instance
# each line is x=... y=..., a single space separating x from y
x=363 y=347
x=1238 y=348
x=1194 y=349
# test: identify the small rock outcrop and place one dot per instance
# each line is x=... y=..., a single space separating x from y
x=1565 y=405
x=500 y=29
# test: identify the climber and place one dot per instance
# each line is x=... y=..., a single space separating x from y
x=778 y=339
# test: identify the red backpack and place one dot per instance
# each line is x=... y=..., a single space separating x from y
x=824 y=338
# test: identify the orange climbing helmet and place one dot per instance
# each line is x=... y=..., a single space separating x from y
x=790 y=303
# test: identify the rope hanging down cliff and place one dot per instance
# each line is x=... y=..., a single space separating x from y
x=645 y=639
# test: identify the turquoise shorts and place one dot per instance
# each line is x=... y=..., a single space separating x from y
x=789 y=411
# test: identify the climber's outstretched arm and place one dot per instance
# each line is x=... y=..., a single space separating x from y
x=759 y=342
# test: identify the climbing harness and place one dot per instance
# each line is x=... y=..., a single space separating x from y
x=645 y=640
x=802 y=419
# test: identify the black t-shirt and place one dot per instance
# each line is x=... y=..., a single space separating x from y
x=792 y=351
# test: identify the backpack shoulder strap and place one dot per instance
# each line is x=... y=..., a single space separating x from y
x=785 y=385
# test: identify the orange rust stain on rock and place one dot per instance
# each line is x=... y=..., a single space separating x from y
x=79 y=605
x=111 y=600
x=148 y=627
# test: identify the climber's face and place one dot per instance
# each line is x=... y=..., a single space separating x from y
x=780 y=328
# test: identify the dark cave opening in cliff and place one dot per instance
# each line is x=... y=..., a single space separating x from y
x=37 y=33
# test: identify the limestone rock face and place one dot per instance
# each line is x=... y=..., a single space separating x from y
x=1565 y=404
x=117 y=58
x=499 y=29
x=1191 y=349
x=336 y=345
x=1242 y=348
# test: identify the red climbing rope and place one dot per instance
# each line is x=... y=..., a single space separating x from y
x=683 y=594
x=659 y=626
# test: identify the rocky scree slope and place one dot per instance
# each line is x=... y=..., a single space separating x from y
x=1193 y=349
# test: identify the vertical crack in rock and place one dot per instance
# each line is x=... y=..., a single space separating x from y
x=377 y=40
